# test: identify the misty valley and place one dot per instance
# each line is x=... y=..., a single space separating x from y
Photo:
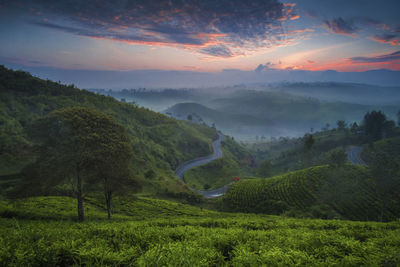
x=267 y=110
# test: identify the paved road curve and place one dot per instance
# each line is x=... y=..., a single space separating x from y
x=180 y=171
x=353 y=154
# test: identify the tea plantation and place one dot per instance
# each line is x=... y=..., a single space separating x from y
x=41 y=231
x=346 y=192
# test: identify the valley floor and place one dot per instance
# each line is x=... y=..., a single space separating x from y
x=149 y=232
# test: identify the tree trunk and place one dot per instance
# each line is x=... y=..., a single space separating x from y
x=108 y=200
x=81 y=212
x=107 y=196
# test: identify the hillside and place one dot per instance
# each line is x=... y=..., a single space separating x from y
x=159 y=143
x=323 y=192
x=148 y=232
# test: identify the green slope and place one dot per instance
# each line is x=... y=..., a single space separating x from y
x=323 y=191
x=159 y=143
x=163 y=233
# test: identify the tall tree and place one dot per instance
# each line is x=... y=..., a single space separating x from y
x=112 y=158
x=374 y=123
x=83 y=144
x=308 y=141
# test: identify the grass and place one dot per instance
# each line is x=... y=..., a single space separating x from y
x=151 y=232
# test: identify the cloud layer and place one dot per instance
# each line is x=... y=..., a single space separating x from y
x=222 y=28
x=395 y=56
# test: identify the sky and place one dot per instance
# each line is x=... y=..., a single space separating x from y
x=201 y=35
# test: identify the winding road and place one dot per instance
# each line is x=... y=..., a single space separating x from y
x=217 y=153
x=353 y=154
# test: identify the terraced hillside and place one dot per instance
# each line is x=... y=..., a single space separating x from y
x=325 y=192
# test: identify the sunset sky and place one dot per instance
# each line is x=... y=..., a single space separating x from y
x=203 y=35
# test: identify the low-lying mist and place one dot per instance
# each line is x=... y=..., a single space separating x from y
x=267 y=110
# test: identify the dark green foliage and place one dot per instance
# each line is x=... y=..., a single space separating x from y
x=82 y=145
x=374 y=123
x=264 y=169
x=337 y=157
x=347 y=192
x=383 y=159
x=308 y=142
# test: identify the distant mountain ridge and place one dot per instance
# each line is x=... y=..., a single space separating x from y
x=193 y=79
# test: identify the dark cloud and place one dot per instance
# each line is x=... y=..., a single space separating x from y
x=341 y=26
x=386 y=38
x=371 y=22
x=212 y=27
x=262 y=67
x=217 y=51
x=378 y=59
